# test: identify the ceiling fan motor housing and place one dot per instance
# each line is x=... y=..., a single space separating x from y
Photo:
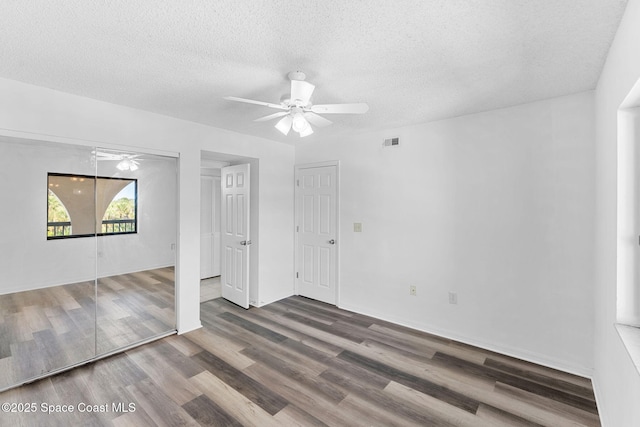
x=297 y=75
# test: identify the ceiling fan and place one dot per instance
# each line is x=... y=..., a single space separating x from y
x=127 y=162
x=298 y=113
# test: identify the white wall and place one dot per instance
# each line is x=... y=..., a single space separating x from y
x=617 y=383
x=27 y=259
x=497 y=207
x=35 y=112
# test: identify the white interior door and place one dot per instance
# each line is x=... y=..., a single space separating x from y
x=209 y=226
x=317 y=217
x=235 y=234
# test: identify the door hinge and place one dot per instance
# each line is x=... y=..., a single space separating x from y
x=297 y=228
x=297 y=276
x=297 y=183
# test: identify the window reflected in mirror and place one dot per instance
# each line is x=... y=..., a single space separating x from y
x=120 y=214
x=81 y=206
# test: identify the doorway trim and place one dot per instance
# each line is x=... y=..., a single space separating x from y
x=296 y=259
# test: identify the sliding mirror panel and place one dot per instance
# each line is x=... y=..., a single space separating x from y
x=136 y=217
x=47 y=271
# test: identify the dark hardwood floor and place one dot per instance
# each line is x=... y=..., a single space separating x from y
x=301 y=362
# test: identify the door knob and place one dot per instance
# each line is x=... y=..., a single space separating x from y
x=245 y=242
x=332 y=242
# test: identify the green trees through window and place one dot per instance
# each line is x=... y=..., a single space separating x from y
x=120 y=216
x=59 y=223
x=83 y=206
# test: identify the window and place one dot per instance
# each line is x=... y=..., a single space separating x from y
x=120 y=215
x=82 y=206
x=58 y=222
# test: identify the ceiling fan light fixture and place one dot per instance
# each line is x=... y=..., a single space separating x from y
x=300 y=124
x=123 y=165
x=306 y=132
x=296 y=110
x=127 y=165
x=284 y=124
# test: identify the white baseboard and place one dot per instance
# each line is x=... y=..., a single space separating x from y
x=596 y=391
x=75 y=279
x=136 y=270
x=263 y=303
x=517 y=353
x=184 y=330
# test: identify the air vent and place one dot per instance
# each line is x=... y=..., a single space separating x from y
x=391 y=142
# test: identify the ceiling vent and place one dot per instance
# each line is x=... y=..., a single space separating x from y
x=391 y=142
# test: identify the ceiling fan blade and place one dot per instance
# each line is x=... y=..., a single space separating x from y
x=107 y=156
x=316 y=119
x=104 y=155
x=272 y=116
x=301 y=90
x=251 y=101
x=340 y=108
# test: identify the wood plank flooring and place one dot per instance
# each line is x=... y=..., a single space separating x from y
x=46 y=329
x=210 y=288
x=133 y=307
x=302 y=362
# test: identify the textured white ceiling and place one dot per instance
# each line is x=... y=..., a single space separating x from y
x=411 y=61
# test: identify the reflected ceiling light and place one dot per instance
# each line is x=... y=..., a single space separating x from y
x=126 y=161
x=127 y=165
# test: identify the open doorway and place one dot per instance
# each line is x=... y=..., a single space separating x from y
x=212 y=220
x=210 y=257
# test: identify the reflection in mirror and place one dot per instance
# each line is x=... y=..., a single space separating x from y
x=120 y=212
x=46 y=329
x=134 y=307
x=63 y=298
x=81 y=206
x=136 y=278
x=47 y=288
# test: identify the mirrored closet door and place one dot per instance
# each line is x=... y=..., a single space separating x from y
x=87 y=254
x=137 y=217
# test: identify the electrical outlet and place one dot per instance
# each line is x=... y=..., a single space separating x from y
x=453 y=298
x=412 y=290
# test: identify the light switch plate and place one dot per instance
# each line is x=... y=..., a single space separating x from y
x=357 y=227
x=453 y=298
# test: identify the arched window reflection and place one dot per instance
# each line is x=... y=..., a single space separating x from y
x=84 y=206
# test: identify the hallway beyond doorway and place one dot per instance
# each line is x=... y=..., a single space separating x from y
x=210 y=289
